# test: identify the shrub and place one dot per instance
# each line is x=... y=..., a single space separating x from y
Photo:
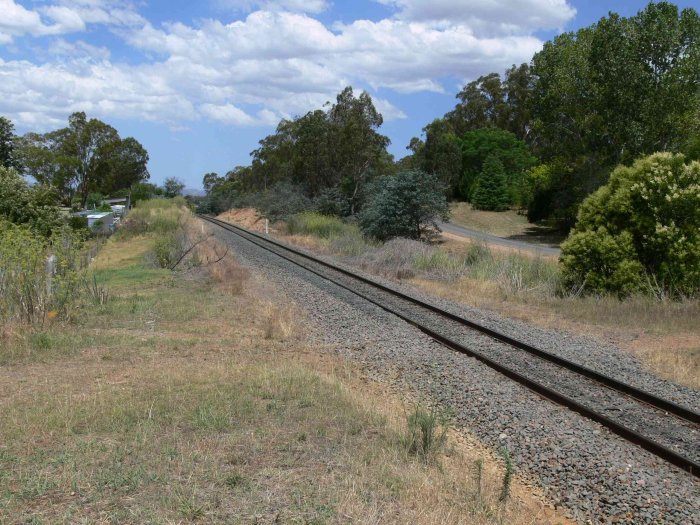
x=279 y=202
x=639 y=232
x=22 y=204
x=408 y=204
x=30 y=284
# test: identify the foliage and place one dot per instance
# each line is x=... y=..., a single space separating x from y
x=491 y=189
x=221 y=193
x=440 y=154
x=30 y=287
x=335 y=149
x=407 y=204
x=87 y=156
x=491 y=102
x=8 y=155
x=641 y=230
x=611 y=92
x=34 y=206
x=279 y=202
x=143 y=191
x=322 y=226
x=173 y=187
x=513 y=154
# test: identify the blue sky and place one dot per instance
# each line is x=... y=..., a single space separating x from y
x=199 y=83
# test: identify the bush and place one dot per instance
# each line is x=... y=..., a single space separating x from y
x=30 y=286
x=279 y=202
x=640 y=232
x=407 y=204
x=22 y=204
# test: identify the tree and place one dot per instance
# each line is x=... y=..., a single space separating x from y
x=408 y=204
x=210 y=180
x=616 y=90
x=339 y=148
x=142 y=191
x=173 y=187
x=491 y=191
x=34 y=206
x=513 y=154
x=87 y=156
x=357 y=148
x=126 y=162
x=441 y=154
x=640 y=231
x=492 y=102
x=8 y=157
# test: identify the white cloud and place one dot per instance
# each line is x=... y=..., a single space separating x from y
x=301 y=6
x=487 y=16
x=66 y=16
x=271 y=64
x=228 y=114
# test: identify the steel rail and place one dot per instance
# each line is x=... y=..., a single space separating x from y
x=633 y=436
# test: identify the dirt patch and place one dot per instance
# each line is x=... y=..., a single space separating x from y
x=249 y=218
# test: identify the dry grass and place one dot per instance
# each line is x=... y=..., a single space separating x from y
x=664 y=335
x=180 y=403
x=500 y=223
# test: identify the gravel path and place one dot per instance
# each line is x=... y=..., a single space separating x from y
x=597 y=476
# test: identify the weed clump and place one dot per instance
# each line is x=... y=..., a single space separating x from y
x=426 y=434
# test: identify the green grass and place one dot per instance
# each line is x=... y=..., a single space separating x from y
x=321 y=226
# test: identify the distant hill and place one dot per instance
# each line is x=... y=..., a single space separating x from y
x=193 y=192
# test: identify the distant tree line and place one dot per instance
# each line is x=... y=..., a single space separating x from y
x=76 y=166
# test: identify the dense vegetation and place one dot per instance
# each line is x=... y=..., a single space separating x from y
x=541 y=138
x=641 y=231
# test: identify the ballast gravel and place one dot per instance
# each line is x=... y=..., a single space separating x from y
x=583 y=468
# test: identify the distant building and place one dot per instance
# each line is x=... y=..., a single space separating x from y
x=98 y=221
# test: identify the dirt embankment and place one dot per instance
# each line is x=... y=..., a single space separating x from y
x=248 y=218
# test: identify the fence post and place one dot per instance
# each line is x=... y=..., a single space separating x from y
x=50 y=269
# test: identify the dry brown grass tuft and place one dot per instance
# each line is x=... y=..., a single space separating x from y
x=221 y=265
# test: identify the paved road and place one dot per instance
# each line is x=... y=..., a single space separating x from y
x=541 y=249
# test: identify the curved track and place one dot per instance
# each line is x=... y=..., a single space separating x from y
x=662 y=427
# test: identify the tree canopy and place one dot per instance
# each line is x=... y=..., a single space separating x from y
x=87 y=156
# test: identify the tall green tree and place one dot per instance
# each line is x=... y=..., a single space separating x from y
x=491 y=188
x=441 y=154
x=513 y=154
x=87 y=156
x=8 y=156
x=357 y=147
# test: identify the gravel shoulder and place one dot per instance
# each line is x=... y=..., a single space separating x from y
x=595 y=475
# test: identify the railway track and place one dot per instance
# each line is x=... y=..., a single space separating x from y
x=664 y=428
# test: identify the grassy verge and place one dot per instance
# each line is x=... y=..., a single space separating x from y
x=192 y=396
x=503 y=224
x=664 y=334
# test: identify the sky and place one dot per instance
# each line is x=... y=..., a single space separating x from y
x=199 y=83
